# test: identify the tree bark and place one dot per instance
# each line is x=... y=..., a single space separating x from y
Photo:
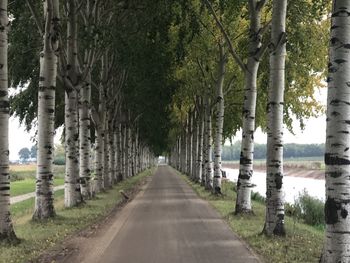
x=244 y=185
x=7 y=233
x=274 y=221
x=337 y=160
x=46 y=113
x=85 y=139
x=199 y=175
x=71 y=185
x=209 y=151
x=219 y=121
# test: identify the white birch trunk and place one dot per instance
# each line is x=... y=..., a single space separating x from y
x=194 y=145
x=205 y=145
x=209 y=163
x=99 y=152
x=219 y=122
x=71 y=186
x=106 y=157
x=120 y=153
x=244 y=184
x=337 y=159
x=274 y=221
x=189 y=145
x=7 y=234
x=85 y=139
x=46 y=113
x=200 y=147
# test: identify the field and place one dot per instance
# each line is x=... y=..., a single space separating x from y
x=23 y=178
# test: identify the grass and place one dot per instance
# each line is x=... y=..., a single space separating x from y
x=28 y=186
x=39 y=237
x=303 y=243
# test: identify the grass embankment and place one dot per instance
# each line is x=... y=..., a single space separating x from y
x=23 y=178
x=303 y=243
x=37 y=238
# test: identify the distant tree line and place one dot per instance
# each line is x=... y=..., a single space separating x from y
x=291 y=150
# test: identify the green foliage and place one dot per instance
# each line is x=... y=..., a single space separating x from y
x=309 y=209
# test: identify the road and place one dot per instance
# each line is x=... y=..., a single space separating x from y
x=167 y=223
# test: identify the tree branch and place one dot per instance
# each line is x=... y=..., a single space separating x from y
x=35 y=17
x=223 y=31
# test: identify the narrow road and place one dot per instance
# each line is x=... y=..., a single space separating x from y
x=20 y=198
x=168 y=223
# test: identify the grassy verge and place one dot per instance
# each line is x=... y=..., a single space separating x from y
x=38 y=237
x=303 y=243
x=28 y=186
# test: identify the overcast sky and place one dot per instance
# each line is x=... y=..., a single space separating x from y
x=315 y=132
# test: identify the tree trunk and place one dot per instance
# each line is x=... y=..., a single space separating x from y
x=244 y=185
x=7 y=234
x=274 y=221
x=189 y=145
x=99 y=151
x=337 y=160
x=194 y=145
x=46 y=113
x=219 y=122
x=120 y=153
x=209 y=162
x=84 y=138
x=71 y=186
x=106 y=157
x=205 y=145
x=199 y=175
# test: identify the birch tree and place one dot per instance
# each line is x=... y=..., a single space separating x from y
x=219 y=120
x=7 y=233
x=46 y=109
x=274 y=221
x=250 y=70
x=337 y=159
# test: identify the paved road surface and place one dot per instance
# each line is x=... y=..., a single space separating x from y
x=168 y=223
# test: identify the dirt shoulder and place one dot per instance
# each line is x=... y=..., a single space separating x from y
x=74 y=247
x=288 y=171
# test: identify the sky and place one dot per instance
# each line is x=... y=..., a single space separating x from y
x=315 y=131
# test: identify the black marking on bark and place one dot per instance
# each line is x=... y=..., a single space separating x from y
x=3 y=93
x=346 y=46
x=329 y=79
x=334 y=174
x=332 y=69
x=278 y=181
x=331 y=159
x=337 y=102
x=4 y=188
x=331 y=211
x=50 y=111
x=346 y=149
x=41 y=78
x=341 y=13
x=340 y=61
x=343 y=213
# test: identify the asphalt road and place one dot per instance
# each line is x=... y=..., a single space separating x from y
x=168 y=223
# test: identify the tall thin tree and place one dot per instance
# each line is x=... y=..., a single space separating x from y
x=337 y=158
x=46 y=111
x=7 y=233
x=274 y=221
